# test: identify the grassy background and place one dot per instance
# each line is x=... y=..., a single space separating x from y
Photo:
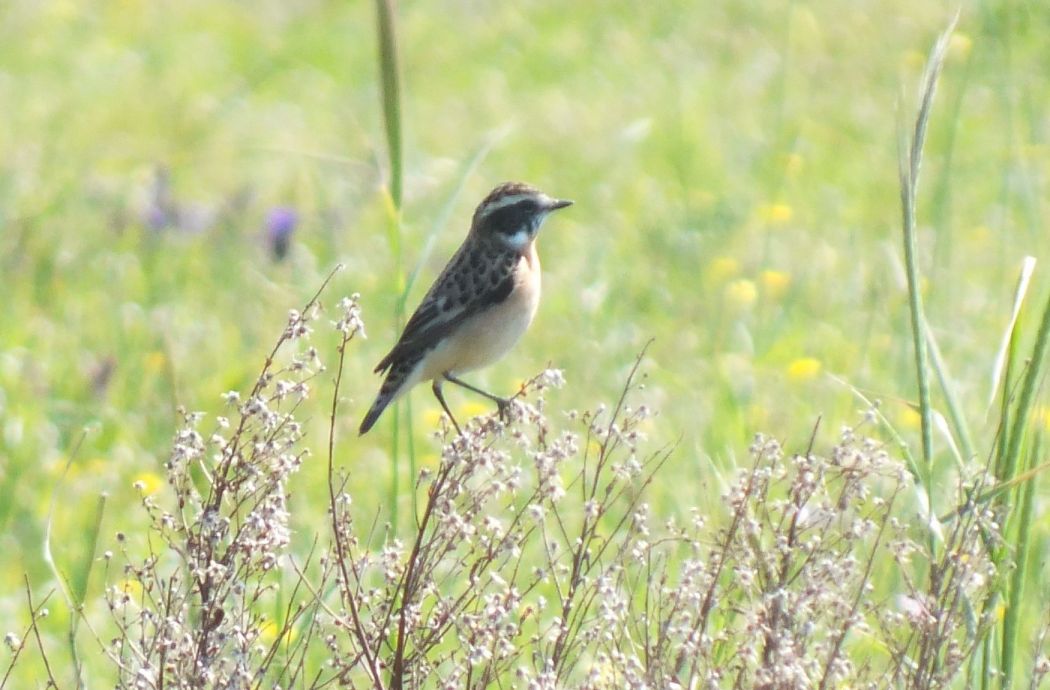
x=734 y=167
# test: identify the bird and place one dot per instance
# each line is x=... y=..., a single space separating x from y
x=479 y=306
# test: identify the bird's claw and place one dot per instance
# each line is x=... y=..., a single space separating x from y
x=503 y=408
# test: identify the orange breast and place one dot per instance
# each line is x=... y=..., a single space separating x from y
x=487 y=337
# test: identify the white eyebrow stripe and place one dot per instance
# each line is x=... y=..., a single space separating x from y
x=506 y=201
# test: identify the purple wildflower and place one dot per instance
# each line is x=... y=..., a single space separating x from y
x=159 y=213
x=280 y=224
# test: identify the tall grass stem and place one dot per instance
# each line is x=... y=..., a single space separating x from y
x=910 y=166
x=1022 y=538
x=390 y=87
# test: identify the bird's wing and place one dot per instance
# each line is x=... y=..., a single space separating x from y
x=472 y=282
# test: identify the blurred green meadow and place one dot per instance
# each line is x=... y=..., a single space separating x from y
x=734 y=172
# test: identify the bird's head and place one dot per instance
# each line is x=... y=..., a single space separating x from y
x=512 y=214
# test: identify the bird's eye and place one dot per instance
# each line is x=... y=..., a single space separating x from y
x=510 y=219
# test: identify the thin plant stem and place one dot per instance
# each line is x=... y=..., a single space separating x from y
x=1012 y=615
x=910 y=166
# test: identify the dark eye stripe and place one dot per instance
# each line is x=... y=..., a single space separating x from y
x=510 y=219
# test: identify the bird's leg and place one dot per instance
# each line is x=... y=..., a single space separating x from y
x=441 y=399
x=502 y=404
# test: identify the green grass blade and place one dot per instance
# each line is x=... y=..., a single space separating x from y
x=395 y=463
x=401 y=309
x=1030 y=384
x=959 y=429
x=64 y=584
x=1015 y=603
x=49 y=558
x=910 y=166
x=390 y=81
x=902 y=445
x=942 y=425
x=1000 y=489
x=82 y=577
x=390 y=86
x=1006 y=398
x=445 y=213
x=1024 y=279
x=79 y=586
x=410 y=451
x=74 y=589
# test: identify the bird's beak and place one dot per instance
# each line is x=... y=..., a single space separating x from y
x=559 y=203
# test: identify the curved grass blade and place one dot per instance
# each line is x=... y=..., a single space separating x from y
x=959 y=428
x=1024 y=279
x=910 y=161
x=74 y=588
x=1030 y=385
x=443 y=215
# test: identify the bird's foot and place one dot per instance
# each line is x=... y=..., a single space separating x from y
x=503 y=408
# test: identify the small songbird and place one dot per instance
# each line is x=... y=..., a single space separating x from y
x=479 y=306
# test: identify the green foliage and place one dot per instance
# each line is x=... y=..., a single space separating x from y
x=1014 y=495
x=733 y=171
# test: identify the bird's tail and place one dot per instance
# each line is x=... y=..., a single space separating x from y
x=373 y=413
x=402 y=376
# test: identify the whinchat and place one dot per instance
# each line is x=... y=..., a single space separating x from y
x=479 y=306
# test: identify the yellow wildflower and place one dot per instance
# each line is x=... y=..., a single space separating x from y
x=148 y=483
x=432 y=417
x=722 y=269
x=132 y=588
x=267 y=632
x=910 y=417
x=155 y=361
x=1041 y=415
x=774 y=283
x=803 y=369
x=474 y=408
x=959 y=46
x=741 y=293
x=776 y=214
